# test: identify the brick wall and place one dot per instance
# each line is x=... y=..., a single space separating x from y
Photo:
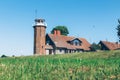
x=39 y=40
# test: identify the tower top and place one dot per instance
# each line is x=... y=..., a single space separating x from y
x=40 y=22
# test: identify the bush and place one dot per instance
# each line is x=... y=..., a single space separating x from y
x=3 y=56
x=95 y=47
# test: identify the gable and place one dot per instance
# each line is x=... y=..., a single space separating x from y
x=103 y=46
x=49 y=40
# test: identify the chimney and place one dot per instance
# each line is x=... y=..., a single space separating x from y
x=58 y=33
x=55 y=32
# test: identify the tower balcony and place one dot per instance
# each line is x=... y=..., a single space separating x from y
x=40 y=22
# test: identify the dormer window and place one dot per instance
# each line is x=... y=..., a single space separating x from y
x=76 y=42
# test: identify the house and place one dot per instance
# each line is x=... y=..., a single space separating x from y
x=105 y=45
x=57 y=43
x=45 y=44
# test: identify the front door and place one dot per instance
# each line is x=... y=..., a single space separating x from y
x=50 y=51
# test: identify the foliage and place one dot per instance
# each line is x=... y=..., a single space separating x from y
x=95 y=47
x=63 y=30
x=3 y=56
x=118 y=29
x=77 y=66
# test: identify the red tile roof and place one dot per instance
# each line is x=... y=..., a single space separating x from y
x=111 y=45
x=85 y=44
x=62 y=42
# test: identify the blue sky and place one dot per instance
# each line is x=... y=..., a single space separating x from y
x=94 y=20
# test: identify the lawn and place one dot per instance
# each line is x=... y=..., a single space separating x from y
x=103 y=65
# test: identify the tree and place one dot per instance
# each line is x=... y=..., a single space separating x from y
x=63 y=30
x=95 y=47
x=3 y=56
x=118 y=30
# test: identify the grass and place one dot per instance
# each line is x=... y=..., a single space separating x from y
x=77 y=66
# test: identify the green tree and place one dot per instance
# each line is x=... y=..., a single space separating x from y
x=95 y=47
x=3 y=56
x=63 y=30
x=118 y=29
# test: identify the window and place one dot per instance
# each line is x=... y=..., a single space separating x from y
x=60 y=50
x=76 y=42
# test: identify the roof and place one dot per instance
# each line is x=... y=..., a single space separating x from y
x=48 y=47
x=62 y=42
x=75 y=39
x=85 y=44
x=111 y=45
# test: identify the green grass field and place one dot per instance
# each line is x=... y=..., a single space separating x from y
x=76 y=66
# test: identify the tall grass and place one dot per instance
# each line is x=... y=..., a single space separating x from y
x=77 y=66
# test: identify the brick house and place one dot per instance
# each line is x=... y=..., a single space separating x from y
x=45 y=44
x=105 y=45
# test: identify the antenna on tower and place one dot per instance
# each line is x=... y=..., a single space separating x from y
x=36 y=14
